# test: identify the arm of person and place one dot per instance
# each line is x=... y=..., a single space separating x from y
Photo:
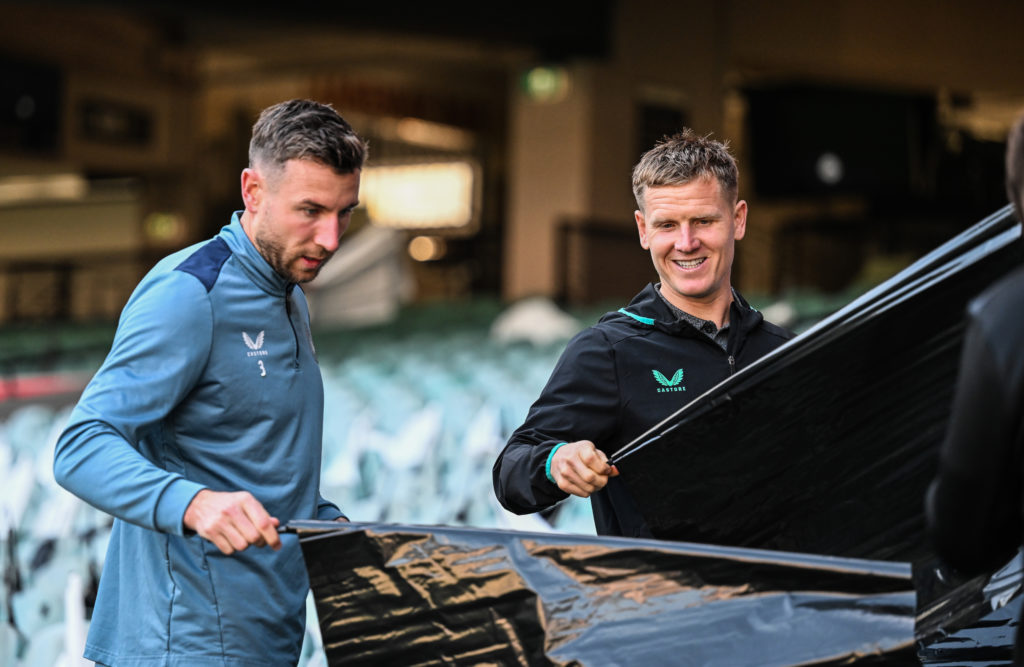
x=157 y=357
x=973 y=505
x=552 y=454
x=328 y=511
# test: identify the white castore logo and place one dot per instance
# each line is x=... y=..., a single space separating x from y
x=255 y=346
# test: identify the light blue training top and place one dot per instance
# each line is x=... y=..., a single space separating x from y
x=211 y=382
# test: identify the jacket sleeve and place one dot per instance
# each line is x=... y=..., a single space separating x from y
x=158 y=354
x=973 y=504
x=579 y=402
x=328 y=511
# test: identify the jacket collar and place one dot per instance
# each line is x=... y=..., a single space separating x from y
x=648 y=310
x=252 y=262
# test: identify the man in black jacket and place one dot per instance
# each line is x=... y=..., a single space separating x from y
x=974 y=504
x=637 y=366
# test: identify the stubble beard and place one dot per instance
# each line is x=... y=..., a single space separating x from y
x=273 y=252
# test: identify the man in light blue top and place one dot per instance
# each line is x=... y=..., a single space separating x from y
x=201 y=432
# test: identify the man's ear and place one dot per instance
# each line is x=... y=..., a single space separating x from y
x=641 y=226
x=739 y=220
x=252 y=189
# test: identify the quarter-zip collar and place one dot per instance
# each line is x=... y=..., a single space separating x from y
x=647 y=309
x=252 y=262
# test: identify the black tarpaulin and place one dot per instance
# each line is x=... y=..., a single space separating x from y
x=409 y=595
x=823 y=447
x=827 y=444
x=966 y=622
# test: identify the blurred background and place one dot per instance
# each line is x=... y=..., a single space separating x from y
x=496 y=215
x=502 y=137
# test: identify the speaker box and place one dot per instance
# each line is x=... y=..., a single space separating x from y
x=31 y=99
x=813 y=140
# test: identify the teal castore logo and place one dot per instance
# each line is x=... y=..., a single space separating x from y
x=669 y=385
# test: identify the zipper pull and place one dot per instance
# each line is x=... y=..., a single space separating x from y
x=732 y=364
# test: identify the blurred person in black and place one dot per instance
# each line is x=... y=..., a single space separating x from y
x=974 y=504
x=638 y=365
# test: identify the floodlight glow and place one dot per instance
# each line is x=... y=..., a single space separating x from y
x=435 y=195
x=44 y=187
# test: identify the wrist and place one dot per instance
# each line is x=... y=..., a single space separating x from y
x=172 y=509
x=551 y=456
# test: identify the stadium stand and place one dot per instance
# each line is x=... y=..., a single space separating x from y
x=417 y=410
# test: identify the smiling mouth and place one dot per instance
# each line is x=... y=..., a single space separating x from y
x=689 y=263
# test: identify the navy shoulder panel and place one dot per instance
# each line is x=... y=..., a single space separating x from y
x=205 y=263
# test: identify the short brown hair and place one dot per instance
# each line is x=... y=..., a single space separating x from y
x=304 y=129
x=684 y=157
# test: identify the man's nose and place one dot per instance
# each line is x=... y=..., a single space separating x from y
x=686 y=240
x=328 y=233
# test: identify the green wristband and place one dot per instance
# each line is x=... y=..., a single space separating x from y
x=547 y=464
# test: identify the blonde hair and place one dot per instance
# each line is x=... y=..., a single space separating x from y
x=684 y=157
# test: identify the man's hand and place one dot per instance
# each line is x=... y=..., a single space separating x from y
x=232 y=521
x=580 y=469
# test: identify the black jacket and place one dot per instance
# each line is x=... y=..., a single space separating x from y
x=974 y=505
x=614 y=381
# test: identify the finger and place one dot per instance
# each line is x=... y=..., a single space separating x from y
x=275 y=541
x=596 y=477
x=258 y=541
x=243 y=525
x=574 y=489
x=595 y=460
x=588 y=479
x=568 y=481
x=235 y=537
x=575 y=478
x=264 y=525
x=222 y=543
x=591 y=458
x=593 y=487
x=614 y=472
x=587 y=482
